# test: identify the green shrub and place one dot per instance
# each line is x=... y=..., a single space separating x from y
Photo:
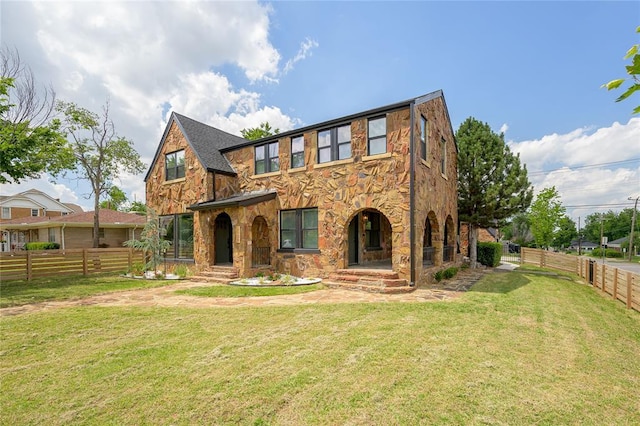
x=607 y=253
x=438 y=276
x=181 y=270
x=41 y=246
x=450 y=272
x=489 y=254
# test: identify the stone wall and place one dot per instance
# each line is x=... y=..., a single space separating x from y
x=339 y=190
x=436 y=193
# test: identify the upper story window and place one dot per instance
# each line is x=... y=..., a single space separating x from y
x=174 y=163
x=377 y=136
x=267 y=158
x=334 y=144
x=424 y=128
x=6 y=212
x=443 y=156
x=297 y=152
x=299 y=229
x=34 y=212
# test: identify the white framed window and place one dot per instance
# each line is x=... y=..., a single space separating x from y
x=297 y=152
x=377 y=143
x=334 y=144
x=6 y=212
x=267 y=158
x=174 y=165
x=35 y=212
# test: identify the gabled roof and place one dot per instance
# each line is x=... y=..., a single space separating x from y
x=108 y=218
x=206 y=142
x=35 y=198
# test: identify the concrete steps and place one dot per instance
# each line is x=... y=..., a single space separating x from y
x=371 y=280
x=218 y=274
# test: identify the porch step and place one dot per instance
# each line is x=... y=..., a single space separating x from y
x=219 y=274
x=371 y=280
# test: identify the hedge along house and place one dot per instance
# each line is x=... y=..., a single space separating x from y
x=374 y=189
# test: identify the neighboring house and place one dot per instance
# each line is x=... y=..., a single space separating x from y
x=584 y=245
x=73 y=230
x=617 y=244
x=377 y=187
x=33 y=203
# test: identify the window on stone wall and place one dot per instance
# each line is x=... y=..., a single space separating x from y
x=299 y=229
x=297 y=152
x=334 y=144
x=174 y=165
x=178 y=230
x=443 y=156
x=377 y=143
x=267 y=158
x=423 y=137
x=372 y=230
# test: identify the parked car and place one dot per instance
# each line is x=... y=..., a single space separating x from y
x=514 y=248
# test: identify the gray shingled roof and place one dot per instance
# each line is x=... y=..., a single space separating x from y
x=206 y=142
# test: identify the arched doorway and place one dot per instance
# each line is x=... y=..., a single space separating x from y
x=261 y=252
x=429 y=237
x=223 y=239
x=449 y=241
x=369 y=239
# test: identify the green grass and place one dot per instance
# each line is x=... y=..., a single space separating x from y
x=517 y=349
x=21 y=292
x=242 y=291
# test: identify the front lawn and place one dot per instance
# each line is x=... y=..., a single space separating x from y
x=517 y=349
x=22 y=292
x=247 y=291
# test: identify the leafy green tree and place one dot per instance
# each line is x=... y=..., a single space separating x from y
x=634 y=75
x=615 y=225
x=262 y=131
x=492 y=184
x=546 y=212
x=565 y=233
x=30 y=139
x=100 y=154
x=137 y=207
x=116 y=199
x=518 y=230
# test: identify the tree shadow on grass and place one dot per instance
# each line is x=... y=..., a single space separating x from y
x=501 y=283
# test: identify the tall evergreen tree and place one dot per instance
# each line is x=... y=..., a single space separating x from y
x=492 y=184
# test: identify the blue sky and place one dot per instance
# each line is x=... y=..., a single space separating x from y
x=530 y=69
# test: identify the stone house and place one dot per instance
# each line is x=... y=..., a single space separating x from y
x=375 y=190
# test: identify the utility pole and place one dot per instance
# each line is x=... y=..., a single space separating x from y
x=602 y=235
x=633 y=226
x=579 y=238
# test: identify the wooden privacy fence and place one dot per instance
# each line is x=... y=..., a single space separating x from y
x=623 y=286
x=26 y=265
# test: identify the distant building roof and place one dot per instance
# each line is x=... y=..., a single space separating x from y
x=108 y=218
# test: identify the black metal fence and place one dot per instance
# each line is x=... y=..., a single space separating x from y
x=261 y=256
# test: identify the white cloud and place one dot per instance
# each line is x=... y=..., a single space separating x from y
x=304 y=51
x=590 y=169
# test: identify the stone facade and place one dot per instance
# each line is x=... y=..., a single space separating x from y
x=345 y=192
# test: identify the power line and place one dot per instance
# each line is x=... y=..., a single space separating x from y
x=587 y=166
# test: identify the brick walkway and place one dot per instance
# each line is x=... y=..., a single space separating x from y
x=166 y=297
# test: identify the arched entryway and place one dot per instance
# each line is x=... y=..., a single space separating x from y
x=448 y=252
x=261 y=251
x=223 y=240
x=429 y=238
x=369 y=239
